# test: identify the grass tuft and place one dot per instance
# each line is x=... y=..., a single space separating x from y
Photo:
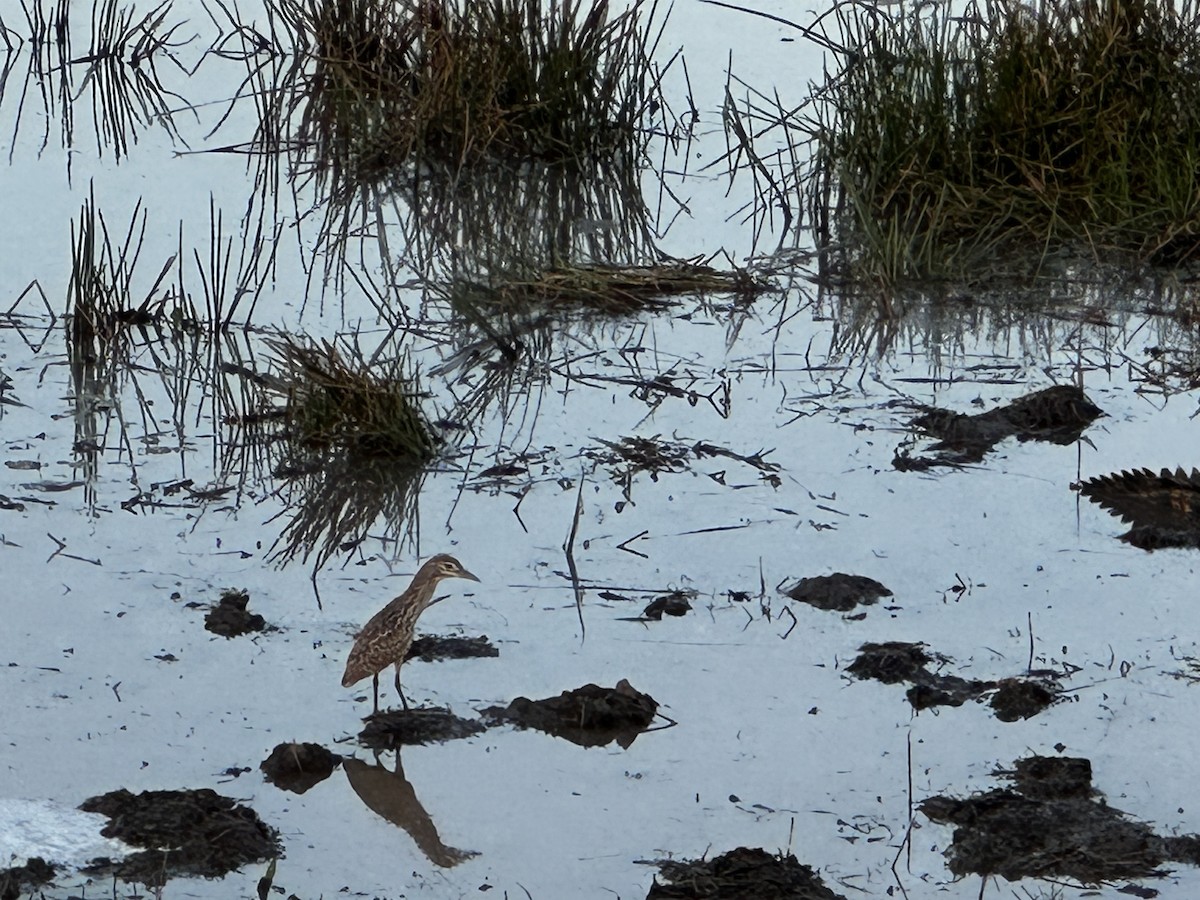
x=334 y=403
x=434 y=80
x=963 y=146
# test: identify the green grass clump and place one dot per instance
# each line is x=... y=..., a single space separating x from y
x=403 y=80
x=974 y=145
x=337 y=405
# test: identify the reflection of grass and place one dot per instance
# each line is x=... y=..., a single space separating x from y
x=967 y=144
x=344 y=405
x=457 y=82
x=335 y=500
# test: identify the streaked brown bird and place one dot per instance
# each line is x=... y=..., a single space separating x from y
x=386 y=638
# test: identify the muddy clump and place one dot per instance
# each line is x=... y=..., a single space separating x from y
x=1052 y=825
x=590 y=716
x=1058 y=414
x=1163 y=509
x=838 y=592
x=747 y=873
x=230 y=618
x=427 y=725
x=676 y=603
x=191 y=833
x=433 y=648
x=18 y=880
x=298 y=767
x=896 y=662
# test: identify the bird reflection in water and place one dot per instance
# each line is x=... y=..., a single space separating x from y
x=391 y=795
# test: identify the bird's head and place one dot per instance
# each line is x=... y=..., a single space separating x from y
x=446 y=566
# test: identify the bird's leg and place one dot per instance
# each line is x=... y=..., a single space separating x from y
x=403 y=702
x=375 y=684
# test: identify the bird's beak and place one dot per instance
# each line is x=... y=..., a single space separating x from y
x=467 y=575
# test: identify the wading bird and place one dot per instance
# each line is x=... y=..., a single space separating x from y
x=386 y=638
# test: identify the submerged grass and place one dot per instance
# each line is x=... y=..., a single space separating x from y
x=973 y=145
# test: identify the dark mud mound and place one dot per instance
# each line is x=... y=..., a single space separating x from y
x=676 y=603
x=433 y=648
x=187 y=833
x=28 y=878
x=1051 y=825
x=1164 y=509
x=839 y=592
x=1058 y=414
x=742 y=874
x=298 y=767
x=895 y=662
x=230 y=618
x=590 y=716
x=428 y=725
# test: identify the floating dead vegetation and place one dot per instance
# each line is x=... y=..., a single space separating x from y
x=613 y=290
x=1058 y=414
x=297 y=767
x=29 y=878
x=896 y=662
x=188 y=833
x=432 y=648
x=1051 y=824
x=424 y=725
x=590 y=716
x=747 y=873
x=1163 y=509
x=631 y=455
x=390 y=795
x=230 y=618
x=838 y=592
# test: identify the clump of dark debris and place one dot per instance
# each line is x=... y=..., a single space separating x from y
x=1011 y=699
x=747 y=873
x=676 y=603
x=229 y=618
x=190 y=833
x=427 y=725
x=590 y=716
x=839 y=592
x=1050 y=824
x=432 y=648
x=1163 y=509
x=18 y=880
x=1058 y=414
x=298 y=767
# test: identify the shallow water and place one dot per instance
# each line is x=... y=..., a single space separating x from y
x=111 y=680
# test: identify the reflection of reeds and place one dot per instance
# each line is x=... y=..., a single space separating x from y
x=120 y=71
x=334 y=498
x=503 y=216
